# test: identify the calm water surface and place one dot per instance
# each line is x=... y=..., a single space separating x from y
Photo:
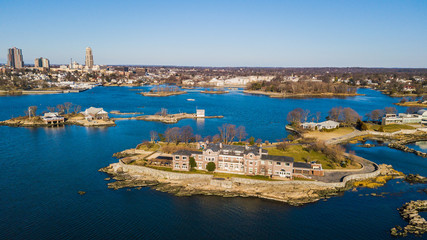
x=42 y=169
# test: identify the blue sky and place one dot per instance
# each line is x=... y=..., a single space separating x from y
x=309 y=33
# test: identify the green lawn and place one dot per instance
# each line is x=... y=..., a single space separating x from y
x=390 y=128
x=300 y=154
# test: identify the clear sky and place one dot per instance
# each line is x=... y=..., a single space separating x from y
x=305 y=33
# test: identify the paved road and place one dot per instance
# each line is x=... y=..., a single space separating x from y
x=337 y=176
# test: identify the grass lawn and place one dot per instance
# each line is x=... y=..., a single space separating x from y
x=389 y=128
x=326 y=135
x=300 y=154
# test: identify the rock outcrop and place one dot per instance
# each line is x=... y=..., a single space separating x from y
x=182 y=184
x=416 y=224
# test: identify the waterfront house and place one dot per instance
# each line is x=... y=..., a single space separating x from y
x=93 y=113
x=319 y=126
x=404 y=118
x=53 y=118
x=244 y=160
x=200 y=113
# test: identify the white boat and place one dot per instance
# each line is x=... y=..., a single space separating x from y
x=191 y=99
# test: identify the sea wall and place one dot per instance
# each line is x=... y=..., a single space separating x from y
x=133 y=169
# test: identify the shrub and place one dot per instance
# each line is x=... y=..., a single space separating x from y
x=211 y=166
x=381 y=129
x=193 y=163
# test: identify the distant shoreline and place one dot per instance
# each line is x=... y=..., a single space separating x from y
x=301 y=95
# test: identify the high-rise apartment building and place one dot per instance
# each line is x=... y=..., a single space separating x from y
x=89 y=58
x=14 y=58
x=42 y=63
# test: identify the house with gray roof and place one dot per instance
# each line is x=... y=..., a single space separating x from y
x=93 y=113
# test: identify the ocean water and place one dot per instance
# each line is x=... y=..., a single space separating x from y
x=42 y=169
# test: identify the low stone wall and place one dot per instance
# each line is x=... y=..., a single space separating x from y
x=159 y=173
x=121 y=167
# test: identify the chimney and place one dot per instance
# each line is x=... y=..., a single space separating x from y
x=220 y=145
x=260 y=149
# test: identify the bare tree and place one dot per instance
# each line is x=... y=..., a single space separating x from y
x=61 y=108
x=241 y=133
x=67 y=106
x=216 y=138
x=377 y=114
x=77 y=108
x=32 y=111
x=51 y=109
x=318 y=115
x=186 y=133
x=296 y=116
x=390 y=110
x=197 y=137
x=227 y=132
x=153 y=136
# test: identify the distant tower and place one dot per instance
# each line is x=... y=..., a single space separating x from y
x=14 y=58
x=89 y=58
x=42 y=63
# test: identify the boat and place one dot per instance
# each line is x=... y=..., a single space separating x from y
x=191 y=99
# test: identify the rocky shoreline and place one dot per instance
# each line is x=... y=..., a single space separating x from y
x=170 y=118
x=401 y=145
x=305 y=95
x=194 y=184
x=38 y=122
x=416 y=224
x=188 y=184
x=161 y=94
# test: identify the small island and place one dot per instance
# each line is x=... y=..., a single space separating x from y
x=208 y=91
x=165 y=117
x=62 y=114
x=163 y=92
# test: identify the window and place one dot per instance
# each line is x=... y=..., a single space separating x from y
x=270 y=162
x=263 y=162
x=184 y=158
x=225 y=165
x=199 y=164
x=256 y=163
x=200 y=157
x=184 y=166
x=176 y=157
x=287 y=164
x=250 y=163
x=250 y=170
x=269 y=171
x=176 y=165
x=220 y=165
x=278 y=163
x=256 y=170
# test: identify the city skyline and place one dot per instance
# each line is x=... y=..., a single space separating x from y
x=220 y=34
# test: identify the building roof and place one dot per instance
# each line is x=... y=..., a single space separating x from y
x=234 y=149
x=278 y=158
x=186 y=152
x=94 y=111
x=302 y=165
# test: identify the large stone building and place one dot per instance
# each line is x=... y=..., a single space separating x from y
x=89 y=58
x=15 y=58
x=245 y=160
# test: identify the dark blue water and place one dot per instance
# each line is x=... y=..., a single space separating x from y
x=419 y=146
x=42 y=169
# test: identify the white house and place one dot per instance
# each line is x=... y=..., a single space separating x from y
x=319 y=126
x=200 y=113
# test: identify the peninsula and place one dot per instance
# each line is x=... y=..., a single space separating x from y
x=168 y=118
x=248 y=170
